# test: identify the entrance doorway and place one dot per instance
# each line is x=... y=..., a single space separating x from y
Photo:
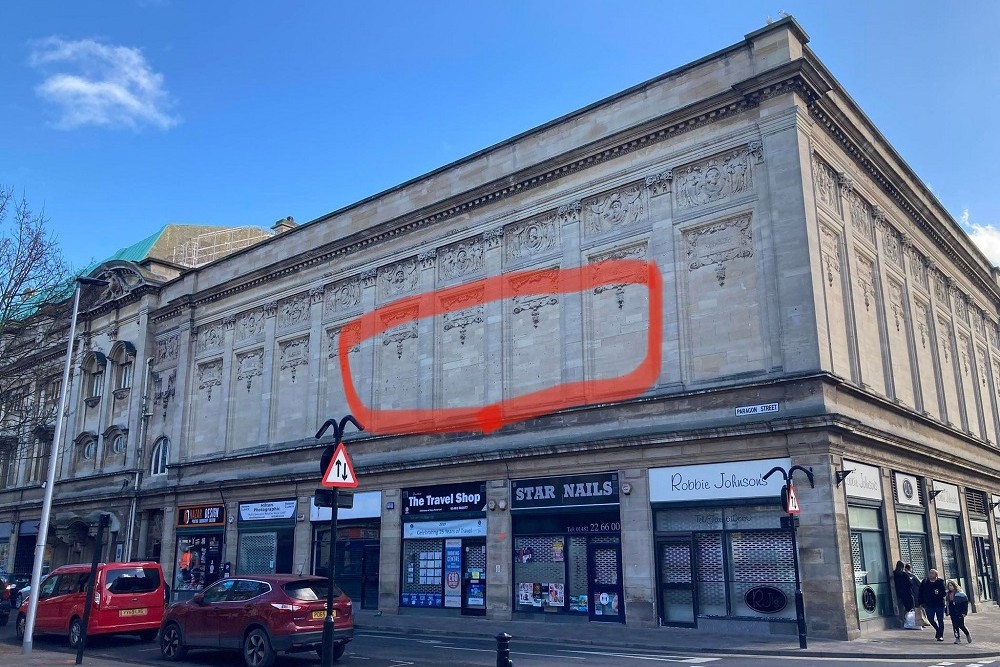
x=369 y=577
x=474 y=577
x=604 y=572
x=675 y=572
x=985 y=577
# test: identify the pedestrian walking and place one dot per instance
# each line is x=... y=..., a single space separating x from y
x=932 y=597
x=904 y=594
x=918 y=611
x=958 y=608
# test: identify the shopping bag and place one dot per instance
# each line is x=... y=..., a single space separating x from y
x=910 y=621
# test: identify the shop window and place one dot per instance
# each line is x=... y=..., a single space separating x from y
x=161 y=452
x=422 y=572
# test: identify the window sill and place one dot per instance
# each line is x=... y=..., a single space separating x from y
x=121 y=394
x=92 y=401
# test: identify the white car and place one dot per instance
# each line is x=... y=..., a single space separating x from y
x=20 y=596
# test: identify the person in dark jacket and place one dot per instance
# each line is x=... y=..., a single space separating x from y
x=904 y=592
x=958 y=608
x=932 y=596
x=915 y=587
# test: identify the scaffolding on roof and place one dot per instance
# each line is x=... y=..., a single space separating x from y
x=210 y=246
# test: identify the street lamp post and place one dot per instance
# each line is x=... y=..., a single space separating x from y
x=800 y=607
x=50 y=480
x=328 y=626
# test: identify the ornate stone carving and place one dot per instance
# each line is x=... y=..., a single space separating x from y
x=944 y=335
x=861 y=217
x=961 y=305
x=978 y=319
x=981 y=366
x=249 y=325
x=398 y=278
x=756 y=151
x=719 y=243
x=659 y=184
x=826 y=183
x=333 y=343
x=343 y=296
x=249 y=365
x=293 y=310
x=316 y=295
x=463 y=319
x=845 y=182
x=922 y=325
x=113 y=331
x=866 y=280
x=918 y=267
x=210 y=375
x=615 y=210
x=635 y=251
x=166 y=349
x=896 y=301
x=715 y=179
x=293 y=354
x=941 y=290
x=368 y=277
x=121 y=281
x=229 y=322
x=426 y=258
x=208 y=338
x=880 y=217
x=163 y=394
x=963 y=352
x=461 y=259
x=993 y=332
x=532 y=304
x=831 y=253
x=492 y=238
x=891 y=245
x=536 y=281
x=406 y=330
x=532 y=237
x=570 y=212
x=270 y=309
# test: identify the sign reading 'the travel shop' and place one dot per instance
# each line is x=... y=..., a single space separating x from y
x=444 y=499
x=569 y=491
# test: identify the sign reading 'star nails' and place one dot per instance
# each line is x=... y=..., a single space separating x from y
x=593 y=489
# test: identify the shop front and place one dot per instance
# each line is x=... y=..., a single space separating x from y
x=266 y=533
x=872 y=582
x=24 y=551
x=443 y=562
x=911 y=522
x=198 y=558
x=567 y=546
x=949 y=517
x=356 y=570
x=982 y=546
x=723 y=554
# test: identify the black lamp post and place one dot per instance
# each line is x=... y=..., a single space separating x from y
x=800 y=608
x=328 y=629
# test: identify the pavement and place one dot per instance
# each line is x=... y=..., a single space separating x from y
x=895 y=643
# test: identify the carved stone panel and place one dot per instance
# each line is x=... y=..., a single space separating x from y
x=343 y=296
x=166 y=349
x=993 y=332
x=827 y=189
x=537 y=236
x=406 y=330
x=636 y=251
x=460 y=259
x=922 y=322
x=209 y=338
x=209 y=375
x=831 y=254
x=963 y=353
x=398 y=279
x=861 y=217
x=468 y=311
x=249 y=365
x=945 y=337
x=292 y=354
x=941 y=290
x=333 y=343
x=891 y=245
x=540 y=281
x=961 y=306
x=293 y=311
x=866 y=280
x=614 y=210
x=713 y=180
x=918 y=268
x=718 y=244
x=249 y=325
x=896 y=301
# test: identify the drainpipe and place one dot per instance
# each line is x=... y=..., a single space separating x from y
x=140 y=448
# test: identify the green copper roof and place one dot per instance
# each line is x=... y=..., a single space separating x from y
x=137 y=251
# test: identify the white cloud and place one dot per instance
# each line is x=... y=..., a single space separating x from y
x=101 y=84
x=987 y=237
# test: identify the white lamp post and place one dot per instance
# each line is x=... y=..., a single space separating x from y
x=50 y=480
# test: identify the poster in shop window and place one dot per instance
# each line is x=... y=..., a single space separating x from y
x=557 y=597
x=558 y=547
x=524 y=593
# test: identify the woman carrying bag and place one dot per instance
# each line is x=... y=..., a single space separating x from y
x=958 y=608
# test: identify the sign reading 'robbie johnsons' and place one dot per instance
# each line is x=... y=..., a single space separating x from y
x=715 y=481
x=865 y=482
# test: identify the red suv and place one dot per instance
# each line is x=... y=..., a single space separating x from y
x=261 y=615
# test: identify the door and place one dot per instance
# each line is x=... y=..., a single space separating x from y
x=675 y=574
x=474 y=577
x=47 y=616
x=604 y=574
x=202 y=622
x=369 y=576
x=984 y=569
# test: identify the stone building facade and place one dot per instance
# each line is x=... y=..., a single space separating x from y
x=812 y=304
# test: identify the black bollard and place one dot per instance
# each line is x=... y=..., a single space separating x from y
x=503 y=650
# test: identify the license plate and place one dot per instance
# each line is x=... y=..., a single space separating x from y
x=133 y=612
x=317 y=615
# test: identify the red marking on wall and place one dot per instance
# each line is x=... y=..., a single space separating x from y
x=488 y=418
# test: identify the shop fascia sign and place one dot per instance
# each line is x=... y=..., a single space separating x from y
x=201 y=516
x=978 y=528
x=271 y=509
x=716 y=481
x=467 y=497
x=568 y=491
x=947 y=500
x=425 y=530
x=907 y=490
x=863 y=482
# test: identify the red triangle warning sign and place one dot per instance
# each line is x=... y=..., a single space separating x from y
x=791 y=500
x=340 y=473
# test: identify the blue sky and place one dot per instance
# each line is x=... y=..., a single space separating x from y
x=120 y=117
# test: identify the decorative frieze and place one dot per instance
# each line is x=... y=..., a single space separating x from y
x=397 y=334
x=944 y=335
x=922 y=322
x=891 y=246
x=492 y=238
x=659 y=184
x=398 y=279
x=208 y=338
x=333 y=343
x=861 y=217
x=293 y=311
x=825 y=178
x=941 y=290
x=229 y=322
x=166 y=349
x=248 y=366
x=716 y=179
x=315 y=295
x=637 y=251
x=368 y=277
x=866 y=280
x=209 y=375
x=426 y=258
x=249 y=325
x=343 y=296
x=963 y=353
x=961 y=305
x=831 y=253
x=533 y=302
x=756 y=151
x=896 y=301
x=570 y=213
x=537 y=236
x=293 y=354
x=271 y=309
x=615 y=210
x=463 y=318
x=918 y=268
x=719 y=243
x=461 y=259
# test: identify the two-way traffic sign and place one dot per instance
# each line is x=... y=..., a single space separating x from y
x=790 y=500
x=340 y=471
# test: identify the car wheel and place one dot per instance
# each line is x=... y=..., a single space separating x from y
x=147 y=635
x=75 y=632
x=18 y=599
x=20 y=625
x=257 y=651
x=172 y=643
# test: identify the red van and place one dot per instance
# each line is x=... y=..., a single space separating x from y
x=129 y=598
